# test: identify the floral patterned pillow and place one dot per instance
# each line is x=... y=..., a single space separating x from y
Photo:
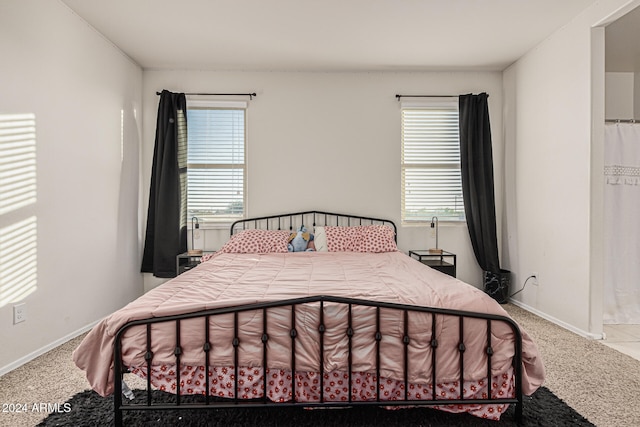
x=362 y=238
x=258 y=242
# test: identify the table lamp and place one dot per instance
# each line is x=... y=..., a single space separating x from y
x=194 y=226
x=434 y=224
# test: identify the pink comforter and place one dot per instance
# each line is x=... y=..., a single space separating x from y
x=232 y=279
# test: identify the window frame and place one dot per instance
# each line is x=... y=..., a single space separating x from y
x=222 y=221
x=433 y=104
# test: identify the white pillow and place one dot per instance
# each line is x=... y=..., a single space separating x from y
x=320 y=239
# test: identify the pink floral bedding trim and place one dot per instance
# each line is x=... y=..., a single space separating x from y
x=361 y=238
x=257 y=242
x=336 y=387
x=207 y=257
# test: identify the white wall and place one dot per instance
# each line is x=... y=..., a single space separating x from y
x=636 y=95
x=85 y=95
x=619 y=95
x=330 y=141
x=554 y=112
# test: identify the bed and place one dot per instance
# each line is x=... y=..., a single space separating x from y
x=354 y=322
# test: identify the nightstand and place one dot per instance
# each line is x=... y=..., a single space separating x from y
x=185 y=262
x=444 y=261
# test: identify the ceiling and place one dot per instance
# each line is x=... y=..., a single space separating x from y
x=327 y=35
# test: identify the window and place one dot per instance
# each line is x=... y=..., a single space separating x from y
x=216 y=172
x=431 y=181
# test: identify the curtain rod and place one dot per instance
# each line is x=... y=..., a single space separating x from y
x=250 y=95
x=428 y=96
x=425 y=96
x=620 y=121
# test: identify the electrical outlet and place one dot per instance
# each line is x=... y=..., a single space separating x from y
x=535 y=278
x=19 y=313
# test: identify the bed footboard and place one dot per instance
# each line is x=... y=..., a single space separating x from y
x=314 y=316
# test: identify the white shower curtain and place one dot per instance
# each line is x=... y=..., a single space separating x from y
x=622 y=223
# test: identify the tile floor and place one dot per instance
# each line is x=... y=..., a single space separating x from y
x=624 y=338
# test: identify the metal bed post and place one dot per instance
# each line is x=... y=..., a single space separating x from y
x=321 y=330
x=293 y=335
x=207 y=348
x=264 y=339
x=461 y=349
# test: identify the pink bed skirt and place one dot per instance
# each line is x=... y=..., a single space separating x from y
x=336 y=387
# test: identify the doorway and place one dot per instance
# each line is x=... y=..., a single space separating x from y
x=621 y=180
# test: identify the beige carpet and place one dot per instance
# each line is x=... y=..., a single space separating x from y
x=597 y=381
x=600 y=383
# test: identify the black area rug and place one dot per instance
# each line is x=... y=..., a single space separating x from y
x=542 y=409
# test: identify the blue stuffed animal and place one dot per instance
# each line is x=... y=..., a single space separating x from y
x=298 y=242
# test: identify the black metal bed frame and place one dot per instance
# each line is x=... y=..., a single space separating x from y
x=318 y=218
x=309 y=303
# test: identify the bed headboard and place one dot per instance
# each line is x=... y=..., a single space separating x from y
x=291 y=221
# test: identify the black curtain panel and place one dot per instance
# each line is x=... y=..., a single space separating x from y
x=476 y=162
x=166 y=234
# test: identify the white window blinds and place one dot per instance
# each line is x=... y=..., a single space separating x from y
x=431 y=181
x=216 y=163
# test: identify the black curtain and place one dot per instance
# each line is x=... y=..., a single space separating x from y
x=476 y=162
x=166 y=234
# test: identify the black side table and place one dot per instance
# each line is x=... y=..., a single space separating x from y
x=442 y=261
x=185 y=262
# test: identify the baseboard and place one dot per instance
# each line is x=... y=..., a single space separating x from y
x=29 y=357
x=558 y=322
